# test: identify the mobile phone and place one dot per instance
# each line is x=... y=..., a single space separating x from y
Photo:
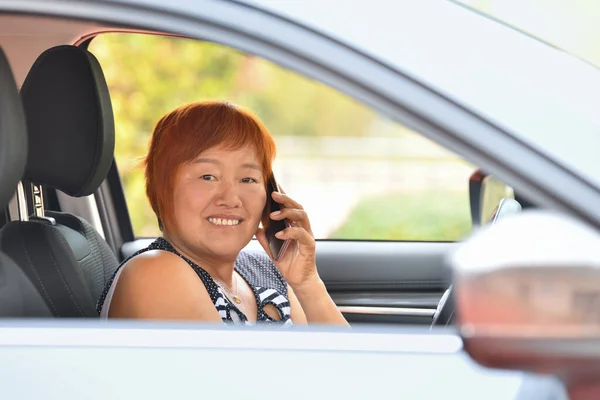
x=276 y=245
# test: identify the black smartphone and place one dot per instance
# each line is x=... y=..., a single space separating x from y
x=277 y=246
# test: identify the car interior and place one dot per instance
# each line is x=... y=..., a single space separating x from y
x=68 y=222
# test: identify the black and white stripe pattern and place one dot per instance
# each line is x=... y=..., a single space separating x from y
x=272 y=296
x=221 y=306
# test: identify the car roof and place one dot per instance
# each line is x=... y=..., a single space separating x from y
x=535 y=91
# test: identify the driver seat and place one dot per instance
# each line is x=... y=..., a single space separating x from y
x=71 y=144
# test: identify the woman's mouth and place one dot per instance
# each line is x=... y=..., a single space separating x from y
x=224 y=221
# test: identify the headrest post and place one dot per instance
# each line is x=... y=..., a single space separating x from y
x=22 y=203
x=38 y=200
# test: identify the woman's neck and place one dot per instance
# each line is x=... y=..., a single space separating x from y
x=217 y=268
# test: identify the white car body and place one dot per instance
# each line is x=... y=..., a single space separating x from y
x=542 y=102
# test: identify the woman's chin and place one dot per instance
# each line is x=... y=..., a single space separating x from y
x=226 y=250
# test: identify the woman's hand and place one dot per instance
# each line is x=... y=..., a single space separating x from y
x=298 y=264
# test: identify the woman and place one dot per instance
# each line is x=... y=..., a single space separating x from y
x=206 y=173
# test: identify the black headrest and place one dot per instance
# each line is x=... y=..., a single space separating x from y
x=13 y=134
x=70 y=121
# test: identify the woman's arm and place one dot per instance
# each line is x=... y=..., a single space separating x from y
x=312 y=304
x=160 y=285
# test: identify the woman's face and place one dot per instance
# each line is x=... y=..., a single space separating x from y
x=218 y=201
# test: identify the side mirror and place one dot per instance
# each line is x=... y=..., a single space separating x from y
x=527 y=292
x=485 y=195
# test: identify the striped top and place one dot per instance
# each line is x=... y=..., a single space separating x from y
x=256 y=269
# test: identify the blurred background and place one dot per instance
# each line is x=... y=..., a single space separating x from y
x=359 y=175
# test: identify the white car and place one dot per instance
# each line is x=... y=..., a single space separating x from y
x=524 y=112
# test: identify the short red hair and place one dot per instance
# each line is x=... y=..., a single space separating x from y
x=181 y=135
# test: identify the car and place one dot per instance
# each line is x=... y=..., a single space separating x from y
x=509 y=107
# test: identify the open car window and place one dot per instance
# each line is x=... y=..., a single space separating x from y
x=359 y=175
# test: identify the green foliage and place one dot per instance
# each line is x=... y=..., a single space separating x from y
x=439 y=216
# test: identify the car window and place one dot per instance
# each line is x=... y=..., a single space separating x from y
x=359 y=175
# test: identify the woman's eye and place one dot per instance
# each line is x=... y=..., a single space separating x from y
x=249 y=180
x=208 y=177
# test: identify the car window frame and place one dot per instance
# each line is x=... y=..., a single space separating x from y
x=367 y=80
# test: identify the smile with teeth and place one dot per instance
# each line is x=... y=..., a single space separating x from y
x=224 y=221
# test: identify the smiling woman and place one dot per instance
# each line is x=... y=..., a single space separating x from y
x=207 y=170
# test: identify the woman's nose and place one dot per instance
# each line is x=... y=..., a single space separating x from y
x=229 y=195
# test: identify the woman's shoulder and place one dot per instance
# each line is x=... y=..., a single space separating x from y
x=157 y=262
x=159 y=283
x=159 y=265
x=153 y=258
x=157 y=254
x=261 y=271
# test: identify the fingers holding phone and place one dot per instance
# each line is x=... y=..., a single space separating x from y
x=287 y=236
x=275 y=246
x=291 y=211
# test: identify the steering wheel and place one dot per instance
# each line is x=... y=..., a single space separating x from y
x=445 y=312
